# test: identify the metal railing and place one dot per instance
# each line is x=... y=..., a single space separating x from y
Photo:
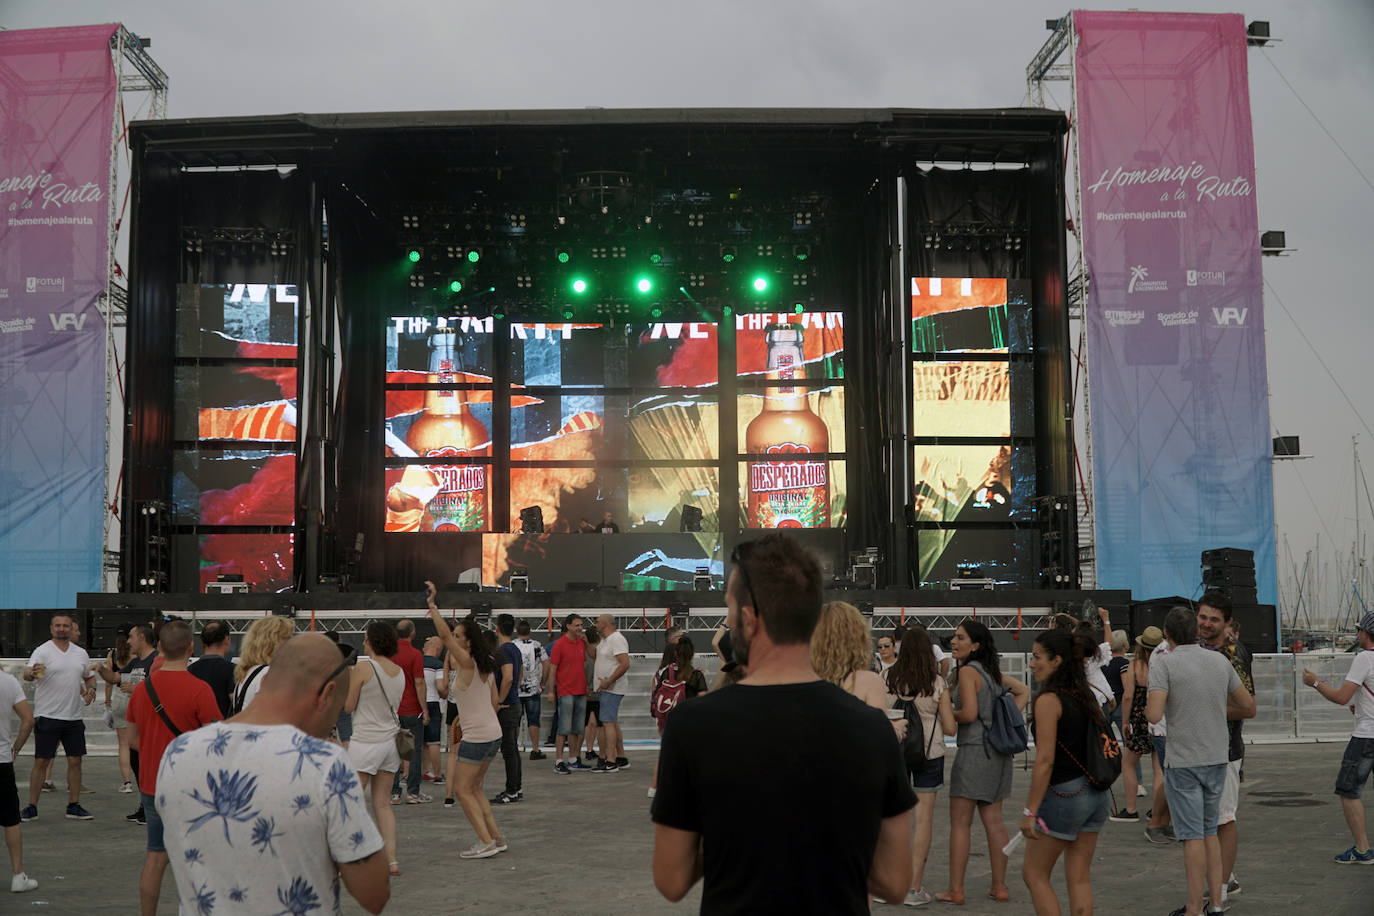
x=1288 y=711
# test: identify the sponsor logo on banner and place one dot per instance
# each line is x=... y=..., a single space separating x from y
x=1230 y=316
x=45 y=284
x=16 y=325
x=1124 y=317
x=67 y=321
x=1206 y=278
x=1140 y=282
x=4 y=292
x=1176 y=319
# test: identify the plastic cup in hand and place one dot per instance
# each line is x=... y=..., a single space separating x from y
x=40 y=671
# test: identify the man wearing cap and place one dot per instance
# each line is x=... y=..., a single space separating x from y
x=1358 y=761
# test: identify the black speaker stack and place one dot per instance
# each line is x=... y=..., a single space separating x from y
x=1232 y=570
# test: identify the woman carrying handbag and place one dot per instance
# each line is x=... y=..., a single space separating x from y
x=374 y=694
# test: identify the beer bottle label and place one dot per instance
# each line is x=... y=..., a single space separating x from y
x=788 y=494
x=461 y=503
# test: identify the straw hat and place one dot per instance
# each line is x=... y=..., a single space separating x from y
x=1152 y=637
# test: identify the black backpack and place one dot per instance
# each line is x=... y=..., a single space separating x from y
x=915 y=747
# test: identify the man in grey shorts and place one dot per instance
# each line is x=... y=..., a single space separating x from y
x=1194 y=688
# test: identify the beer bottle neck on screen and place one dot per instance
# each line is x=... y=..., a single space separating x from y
x=443 y=370
x=786 y=364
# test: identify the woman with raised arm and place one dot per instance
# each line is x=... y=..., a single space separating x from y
x=471 y=651
x=980 y=778
x=1063 y=812
x=374 y=695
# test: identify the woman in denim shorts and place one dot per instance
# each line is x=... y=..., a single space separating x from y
x=1063 y=812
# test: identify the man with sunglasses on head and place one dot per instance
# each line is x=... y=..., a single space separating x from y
x=260 y=813
x=780 y=825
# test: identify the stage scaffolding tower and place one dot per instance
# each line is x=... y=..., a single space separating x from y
x=138 y=76
x=1053 y=63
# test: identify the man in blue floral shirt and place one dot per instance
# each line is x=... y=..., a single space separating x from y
x=260 y=814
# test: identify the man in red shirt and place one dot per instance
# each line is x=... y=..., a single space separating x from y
x=188 y=702
x=567 y=671
x=413 y=712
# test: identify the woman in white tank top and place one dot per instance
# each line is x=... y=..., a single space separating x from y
x=471 y=651
x=374 y=694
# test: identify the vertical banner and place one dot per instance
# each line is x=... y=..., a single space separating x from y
x=56 y=114
x=1179 y=398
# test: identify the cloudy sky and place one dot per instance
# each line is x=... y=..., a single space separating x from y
x=258 y=57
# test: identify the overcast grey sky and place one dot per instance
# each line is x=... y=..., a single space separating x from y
x=258 y=57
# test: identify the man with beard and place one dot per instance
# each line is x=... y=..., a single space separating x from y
x=757 y=850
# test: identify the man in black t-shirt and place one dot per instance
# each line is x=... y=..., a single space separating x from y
x=775 y=825
x=214 y=667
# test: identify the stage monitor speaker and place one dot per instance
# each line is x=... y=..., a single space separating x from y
x=1229 y=576
x=520 y=582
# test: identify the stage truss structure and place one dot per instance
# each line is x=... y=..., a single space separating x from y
x=1053 y=63
x=139 y=77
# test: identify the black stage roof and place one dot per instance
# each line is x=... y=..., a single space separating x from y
x=937 y=135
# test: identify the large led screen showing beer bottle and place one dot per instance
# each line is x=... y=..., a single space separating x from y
x=449 y=420
x=790 y=420
x=237 y=320
x=970 y=315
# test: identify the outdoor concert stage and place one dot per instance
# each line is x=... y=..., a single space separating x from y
x=381 y=348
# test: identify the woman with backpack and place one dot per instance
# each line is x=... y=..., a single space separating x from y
x=1064 y=810
x=675 y=682
x=914 y=678
x=980 y=777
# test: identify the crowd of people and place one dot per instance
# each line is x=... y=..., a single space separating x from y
x=304 y=750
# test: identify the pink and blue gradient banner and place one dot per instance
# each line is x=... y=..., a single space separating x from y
x=56 y=115
x=1179 y=396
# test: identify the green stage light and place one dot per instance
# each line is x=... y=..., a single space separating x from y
x=656 y=313
x=567 y=313
x=760 y=284
x=414 y=255
x=456 y=286
x=579 y=285
x=798 y=308
x=644 y=285
x=474 y=256
x=563 y=257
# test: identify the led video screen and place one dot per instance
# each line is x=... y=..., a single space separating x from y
x=957 y=483
x=235 y=401
x=791 y=493
x=454 y=349
x=970 y=315
x=265 y=561
x=661 y=562
x=1005 y=556
x=809 y=345
x=668 y=354
x=571 y=499
x=773 y=420
x=237 y=320
x=638 y=355
x=233 y=487
x=438 y=497
x=962 y=398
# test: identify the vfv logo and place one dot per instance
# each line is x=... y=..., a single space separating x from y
x=1230 y=316
x=67 y=321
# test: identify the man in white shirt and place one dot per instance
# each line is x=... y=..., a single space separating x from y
x=534 y=675
x=65 y=682
x=260 y=814
x=612 y=664
x=1358 y=762
x=12 y=697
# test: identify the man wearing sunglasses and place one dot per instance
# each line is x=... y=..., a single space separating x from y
x=774 y=822
x=260 y=813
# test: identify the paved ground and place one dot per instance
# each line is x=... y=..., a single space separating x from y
x=582 y=844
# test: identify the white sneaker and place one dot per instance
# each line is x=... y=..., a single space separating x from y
x=917 y=898
x=127 y=788
x=22 y=882
x=479 y=851
x=1140 y=792
x=652 y=792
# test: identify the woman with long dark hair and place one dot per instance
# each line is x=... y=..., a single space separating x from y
x=915 y=676
x=680 y=668
x=472 y=650
x=1063 y=812
x=980 y=778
